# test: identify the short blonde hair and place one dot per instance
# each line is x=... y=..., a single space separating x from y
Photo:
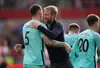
x=53 y=9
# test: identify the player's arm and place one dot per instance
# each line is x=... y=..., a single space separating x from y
x=75 y=49
x=55 y=43
x=50 y=34
x=97 y=40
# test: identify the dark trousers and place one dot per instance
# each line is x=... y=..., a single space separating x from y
x=65 y=64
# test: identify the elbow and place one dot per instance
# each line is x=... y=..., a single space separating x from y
x=70 y=49
x=49 y=43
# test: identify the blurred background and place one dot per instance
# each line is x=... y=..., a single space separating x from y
x=14 y=13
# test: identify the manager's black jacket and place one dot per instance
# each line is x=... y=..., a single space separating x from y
x=56 y=32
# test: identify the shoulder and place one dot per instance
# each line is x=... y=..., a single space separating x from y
x=96 y=35
x=59 y=24
x=83 y=32
x=67 y=35
x=25 y=25
x=42 y=24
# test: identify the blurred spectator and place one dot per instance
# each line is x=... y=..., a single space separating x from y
x=9 y=4
x=96 y=3
x=86 y=3
x=3 y=53
x=50 y=2
x=61 y=3
x=65 y=3
x=2 y=63
x=1 y=3
x=24 y=3
x=77 y=4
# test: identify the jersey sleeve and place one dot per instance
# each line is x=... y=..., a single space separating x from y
x=75 y=49
x=41 y=34
x=97 y=40
x=65 y=38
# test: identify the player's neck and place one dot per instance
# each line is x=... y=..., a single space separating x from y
x=35 y=18
x=92 y=28
x=71 y=32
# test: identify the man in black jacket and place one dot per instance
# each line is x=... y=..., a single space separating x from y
x=59 y=57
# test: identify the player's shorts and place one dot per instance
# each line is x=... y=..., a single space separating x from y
x=33 y=66
x=65 y=64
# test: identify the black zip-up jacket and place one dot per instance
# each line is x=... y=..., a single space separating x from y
x=56 y=32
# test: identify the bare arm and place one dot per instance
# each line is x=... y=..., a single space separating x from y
x=55 y=43
x=18 y=47
x=49 y=42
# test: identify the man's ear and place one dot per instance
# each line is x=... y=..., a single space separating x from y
x=53 y=16
x=39 y=12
